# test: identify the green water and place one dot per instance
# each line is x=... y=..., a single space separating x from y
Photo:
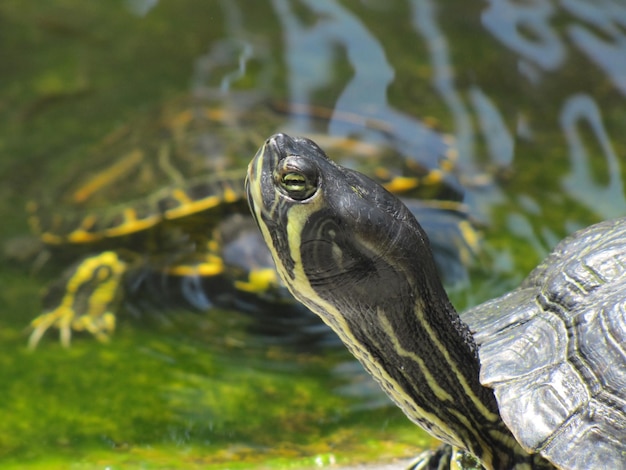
x=535 y=102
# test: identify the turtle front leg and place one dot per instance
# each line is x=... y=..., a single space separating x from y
x=445 y=457
x=83 y=299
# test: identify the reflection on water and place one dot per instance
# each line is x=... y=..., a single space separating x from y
x=533 y=92
x=425 y=19
x=311 y=55
x=525 y=29
x=601 y=36
x=607 y=200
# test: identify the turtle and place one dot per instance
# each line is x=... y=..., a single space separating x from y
x=158 y=212
x=535 y=378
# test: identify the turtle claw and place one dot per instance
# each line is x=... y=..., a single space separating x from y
x=40 y=325
x=65 y=334
x=101 y=326
x=44 y=322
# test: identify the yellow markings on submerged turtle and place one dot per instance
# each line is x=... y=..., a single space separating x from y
x=131 y=224
x=90 y=266
x=351 y=145
x=83 y=234
x=88 y=222
x=188 y=206
x=76 y=237
x=101 y=328
x=182 y=197
x=166 y=166
x=100 y=275
x=401 y=184
x=79 y=236
x=229 y=194
x=108 y=176
x=433 y=177
x=260 y=280
x=471 y=237
x=97 y=319
x=52 y=239
x=447 y=165
x=211 y=265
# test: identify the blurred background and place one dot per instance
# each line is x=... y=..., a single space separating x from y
x=529 y=96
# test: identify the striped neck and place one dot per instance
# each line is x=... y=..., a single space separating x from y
x=424 y=358
x=356 y=256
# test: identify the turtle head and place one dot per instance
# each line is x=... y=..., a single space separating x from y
x=338 y=238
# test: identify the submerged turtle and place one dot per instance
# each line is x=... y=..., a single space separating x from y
x=165 y=200
x=533 y=379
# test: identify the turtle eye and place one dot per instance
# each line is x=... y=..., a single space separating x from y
x=297 y=178
x=294 y=182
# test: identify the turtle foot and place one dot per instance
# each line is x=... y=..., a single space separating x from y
x=83 y=299
x=445 y=457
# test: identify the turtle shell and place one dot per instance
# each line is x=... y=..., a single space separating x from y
x=149 y=215
x=191 y=159
x=554 y=351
